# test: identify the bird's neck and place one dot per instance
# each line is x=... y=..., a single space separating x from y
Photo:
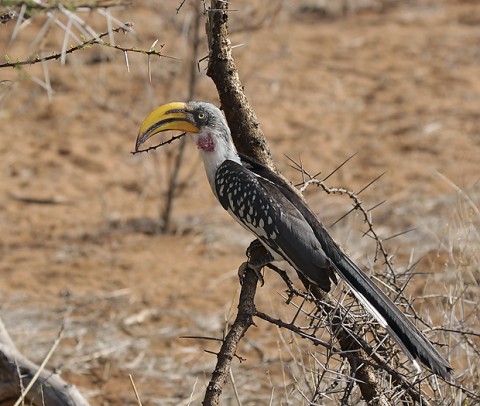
x=215 y=150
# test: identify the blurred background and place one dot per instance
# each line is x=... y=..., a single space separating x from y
x=86 y=228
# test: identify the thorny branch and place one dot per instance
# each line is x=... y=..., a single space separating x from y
x=32 y=8
x=154 y=147
x=331 y=313
x=44 y=6
x=357 y=205
x=371 y=232
x=85 y=44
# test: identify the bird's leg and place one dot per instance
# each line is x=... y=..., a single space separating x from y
x=258 y=257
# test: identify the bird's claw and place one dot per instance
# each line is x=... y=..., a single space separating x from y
x=243 y=269
x=257 y=255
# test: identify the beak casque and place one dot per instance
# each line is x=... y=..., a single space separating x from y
x=171 y=116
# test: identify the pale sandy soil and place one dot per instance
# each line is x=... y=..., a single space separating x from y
x=78 y=212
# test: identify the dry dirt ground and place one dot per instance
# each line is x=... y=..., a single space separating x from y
x=79 y=215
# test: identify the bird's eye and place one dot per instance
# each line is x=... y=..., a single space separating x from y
x=201 y=116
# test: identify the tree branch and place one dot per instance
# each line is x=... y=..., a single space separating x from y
x=85 y=44
x=244 y=319
x=243 y=122
x=17 y=372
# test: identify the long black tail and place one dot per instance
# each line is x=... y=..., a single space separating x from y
x=412 y=340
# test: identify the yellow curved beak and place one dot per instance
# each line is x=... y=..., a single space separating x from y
x=170 y=116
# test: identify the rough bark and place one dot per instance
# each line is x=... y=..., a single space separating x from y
x=242 y=120
x=244 y=319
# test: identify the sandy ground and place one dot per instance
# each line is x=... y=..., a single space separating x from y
x=79 y=215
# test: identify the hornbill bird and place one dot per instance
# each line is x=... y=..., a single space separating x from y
x=266 y=205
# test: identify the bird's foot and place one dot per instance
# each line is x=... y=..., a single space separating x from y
x=257 y=254
x=243 y=269
x=258 y=257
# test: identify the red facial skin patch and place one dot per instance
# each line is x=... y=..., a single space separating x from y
x=206 y=143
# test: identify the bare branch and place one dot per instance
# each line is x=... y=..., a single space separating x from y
x=357 y=205
x=242 y=120
x=44 y=6
x=174 y=138
x=244 y=319
x=85 y=44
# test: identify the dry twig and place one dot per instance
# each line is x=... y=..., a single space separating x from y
x=83 y=45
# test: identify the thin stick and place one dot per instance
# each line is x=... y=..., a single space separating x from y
x=42 y=366
x=175 y=137
x=84 y=45
x=139 y=402
x=235 y=390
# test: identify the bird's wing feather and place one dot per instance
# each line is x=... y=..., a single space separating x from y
x=264 y=210
x=413 y=342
